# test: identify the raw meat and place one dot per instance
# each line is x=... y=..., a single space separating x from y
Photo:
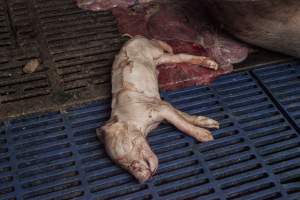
x=137 y=108
x=97 y=5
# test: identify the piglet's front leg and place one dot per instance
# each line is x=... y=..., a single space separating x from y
x=189 y=59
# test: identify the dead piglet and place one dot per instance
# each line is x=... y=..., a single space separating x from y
x=137 y=107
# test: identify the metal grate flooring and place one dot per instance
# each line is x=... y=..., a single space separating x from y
x=256 y=154
x=76 y=49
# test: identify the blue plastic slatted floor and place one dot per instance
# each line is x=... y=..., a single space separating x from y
x=256 y=154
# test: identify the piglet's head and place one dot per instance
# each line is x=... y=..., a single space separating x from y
x=128 y=148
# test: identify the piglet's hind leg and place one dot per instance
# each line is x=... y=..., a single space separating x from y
x=201 y=121
x=171 y=115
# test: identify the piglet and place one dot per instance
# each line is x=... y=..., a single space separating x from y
x=137 y=107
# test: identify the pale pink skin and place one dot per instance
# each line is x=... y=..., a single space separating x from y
x=137 y=107
x=102 y=5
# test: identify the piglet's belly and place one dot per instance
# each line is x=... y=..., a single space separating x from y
x=142 y=79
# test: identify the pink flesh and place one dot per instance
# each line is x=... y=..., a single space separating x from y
x=96 y=5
